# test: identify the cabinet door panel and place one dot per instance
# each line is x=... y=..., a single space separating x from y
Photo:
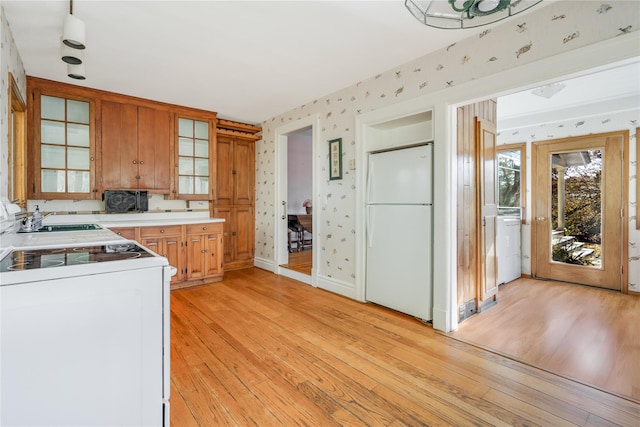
x=119 y=134
x=244 y=176
x=154 y=149
x=224 y=165
x=242 y=233
x=213 y=256
x=196 y=246
x=173 y=252
x=225 y=213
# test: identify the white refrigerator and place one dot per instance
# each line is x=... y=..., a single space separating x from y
x=399 y=212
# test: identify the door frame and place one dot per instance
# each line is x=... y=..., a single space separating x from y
x=280 y=249
x=624 y=250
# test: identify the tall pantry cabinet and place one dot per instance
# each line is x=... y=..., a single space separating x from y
x=235 y=190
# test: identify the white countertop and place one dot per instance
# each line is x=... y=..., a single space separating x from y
x=145 y=219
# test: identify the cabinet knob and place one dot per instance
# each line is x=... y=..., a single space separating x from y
x=134 y=162
x=141 y=162
x=204 y=227
x=92 y=159
x=137 y=176
x=162 y=231
x=233 y=233
x=233 y=172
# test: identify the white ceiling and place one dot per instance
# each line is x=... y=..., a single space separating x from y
x=247 y=60
x=601 y=101
x=252 y=60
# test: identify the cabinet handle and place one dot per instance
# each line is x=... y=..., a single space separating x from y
x=233 y=172
x=172 y=243
x=211 y=239
x=137 y=176
x=233 y=233
x=162 y=231
x=141 y=162
x=204 y=228
x=92 y=158
x=134 y=162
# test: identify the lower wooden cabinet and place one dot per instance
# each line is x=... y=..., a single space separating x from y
x=195 y=250
x=204 y=250
x=238 y=235
x=168 y=242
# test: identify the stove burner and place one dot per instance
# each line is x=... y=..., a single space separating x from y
x=29 y=259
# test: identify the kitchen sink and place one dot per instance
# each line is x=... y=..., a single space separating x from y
x=64 y=227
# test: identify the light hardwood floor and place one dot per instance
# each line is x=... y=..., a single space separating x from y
x=265 y=350
x=300 y=261
x=584 y=333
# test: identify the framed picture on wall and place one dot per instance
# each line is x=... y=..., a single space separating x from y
x=335 y=159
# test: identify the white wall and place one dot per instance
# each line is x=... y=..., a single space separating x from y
x=10 y=62
x=550 y=30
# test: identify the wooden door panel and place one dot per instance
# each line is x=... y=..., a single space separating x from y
x=213 y=256
x=225 y=213
x=487 y=211
x=242 y=233
x=119 y=135
x=224 y=174
x=607 y=271
x=196 y=245
x=154 y=151
x=244 y=172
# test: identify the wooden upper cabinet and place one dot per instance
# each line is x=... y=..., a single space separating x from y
x=235 y=175
x=195 y=148
x=136 y=147
x=61 y=149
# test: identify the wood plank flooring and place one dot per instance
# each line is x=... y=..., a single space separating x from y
x=300 y=261
x=584 y=333
x=264 y=350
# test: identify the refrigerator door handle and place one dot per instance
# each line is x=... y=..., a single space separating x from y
x=369 y=227
x=369 y=177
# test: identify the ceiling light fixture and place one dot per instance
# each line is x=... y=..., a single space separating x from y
x=70 y=55
x=73 y=30
x=549 y=90
x=76 y=71
x=449 y=14
x=72 y=43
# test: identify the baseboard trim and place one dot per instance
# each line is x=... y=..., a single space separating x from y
x=338 y=287
x=264 y=263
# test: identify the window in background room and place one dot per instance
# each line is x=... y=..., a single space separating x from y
x=511 y=179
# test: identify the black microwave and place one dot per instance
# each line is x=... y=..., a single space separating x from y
x=119 y=201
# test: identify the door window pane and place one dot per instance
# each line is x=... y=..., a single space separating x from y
x=52 y=132
x=509 y=182
x=78 y=158
x=193 y=163
x=78 y=135
x=576 y=207
x=52 y=108
x=64 y=144
x=52 y=156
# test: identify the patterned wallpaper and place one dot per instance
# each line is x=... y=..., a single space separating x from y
x=548 y=30
x=10 y=61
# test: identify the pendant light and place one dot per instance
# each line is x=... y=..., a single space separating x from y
x=76 y=71
x=70 y=55
x=457 y=14
x=73 y=30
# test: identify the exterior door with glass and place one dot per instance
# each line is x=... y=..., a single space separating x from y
x=578 y=210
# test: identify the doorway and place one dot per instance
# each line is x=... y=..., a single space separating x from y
x=295 y=190
x=299 y=204
x=578 y=234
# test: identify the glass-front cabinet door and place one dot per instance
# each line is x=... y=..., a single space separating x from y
x=64 y=148
x=194 y=158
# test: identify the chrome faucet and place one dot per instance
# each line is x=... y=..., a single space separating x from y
x=28 y=223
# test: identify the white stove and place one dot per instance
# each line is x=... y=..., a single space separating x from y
x=84 y=330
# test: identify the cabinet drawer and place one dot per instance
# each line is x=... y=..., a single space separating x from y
x=159 y=231
x=126 y=232
x=204 y=228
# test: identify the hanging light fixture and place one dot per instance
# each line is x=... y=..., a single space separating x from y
x=70 y=55
x=73 y=30
x=454 y=14
x=76 y=71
